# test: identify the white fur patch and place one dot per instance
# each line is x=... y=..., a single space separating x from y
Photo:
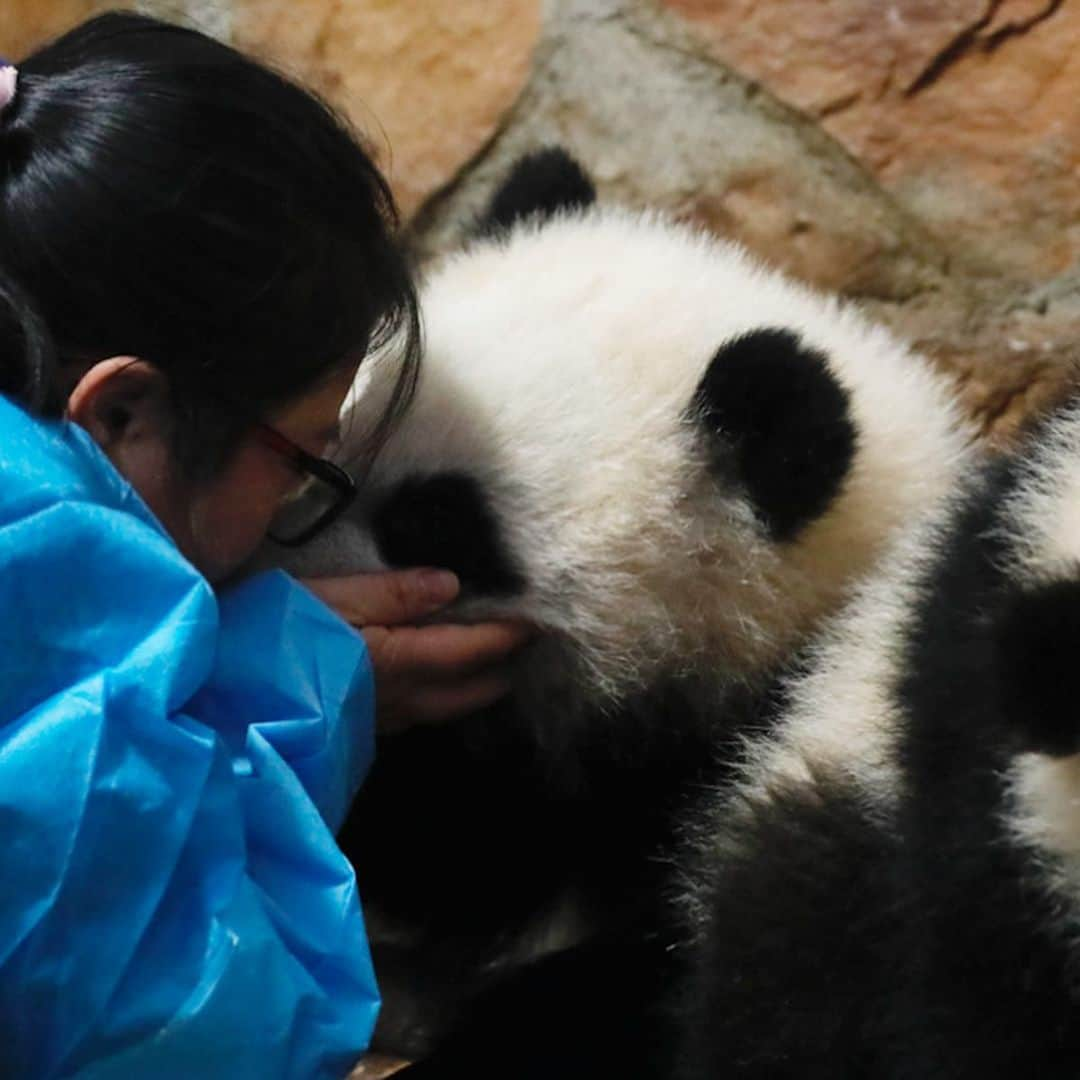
x=561 y=362
x=1045 y=796
x=1042 y=519
x=843 y=717
x=842 y=722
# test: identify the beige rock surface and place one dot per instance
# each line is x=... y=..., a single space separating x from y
x=25 y=24
x=427 y=80
x=967 y=110
x=658 y=124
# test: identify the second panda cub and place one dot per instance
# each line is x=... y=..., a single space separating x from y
x=890 y=889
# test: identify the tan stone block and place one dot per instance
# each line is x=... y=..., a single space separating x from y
x=26 y=24
x=428 y=81
x=967 y=110
x=657 y=123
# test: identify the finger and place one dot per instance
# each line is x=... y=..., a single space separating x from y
x=435 y=704
x=443 y=650
x=386 y=599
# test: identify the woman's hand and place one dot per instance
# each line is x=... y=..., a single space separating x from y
x=423 y=674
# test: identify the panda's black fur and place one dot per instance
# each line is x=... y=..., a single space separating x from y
x=675 y=463
x=911 y=913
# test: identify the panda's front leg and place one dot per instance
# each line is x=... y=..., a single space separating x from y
x=423 y=995
x=589 y=1012
x=1037 y=665
x=1037 y=639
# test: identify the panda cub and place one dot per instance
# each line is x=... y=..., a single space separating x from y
x=673 y=463
x=890 y=887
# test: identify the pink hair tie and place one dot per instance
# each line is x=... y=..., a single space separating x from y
x=9 y=78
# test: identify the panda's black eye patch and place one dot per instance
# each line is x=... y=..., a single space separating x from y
x=446 y=521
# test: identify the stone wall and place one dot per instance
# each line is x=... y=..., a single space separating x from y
x=921 y=155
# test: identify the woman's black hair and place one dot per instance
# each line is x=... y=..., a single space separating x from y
x=165 y=197
x=27 y=360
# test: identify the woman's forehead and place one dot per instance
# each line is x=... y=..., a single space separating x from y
x=319 y=405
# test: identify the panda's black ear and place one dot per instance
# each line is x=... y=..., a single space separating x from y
x=541 y=184
x=778 y=424
x=1037 y=642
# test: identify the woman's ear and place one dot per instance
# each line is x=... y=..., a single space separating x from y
x=123 y=403
x=125 y=406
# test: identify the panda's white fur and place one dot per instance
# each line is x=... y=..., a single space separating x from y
x=563 y=359
x=931 y=748
x=1046 y=816
x=840 y=718
x=560 y=364
x=840 y=715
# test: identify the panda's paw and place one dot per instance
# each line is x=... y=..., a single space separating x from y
x=1037 y=663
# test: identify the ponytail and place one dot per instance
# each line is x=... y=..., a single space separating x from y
x=27 y=355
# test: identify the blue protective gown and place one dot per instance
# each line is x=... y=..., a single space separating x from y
x=173 y=766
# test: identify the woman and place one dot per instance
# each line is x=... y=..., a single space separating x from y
x=194 y=257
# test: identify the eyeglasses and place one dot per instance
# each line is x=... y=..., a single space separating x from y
x=320 y=500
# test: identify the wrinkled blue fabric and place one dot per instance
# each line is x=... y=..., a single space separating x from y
x=173 y=766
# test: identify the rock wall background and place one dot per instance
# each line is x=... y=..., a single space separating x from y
x=920 y=155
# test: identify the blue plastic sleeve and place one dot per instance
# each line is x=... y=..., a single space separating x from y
x=172 y=901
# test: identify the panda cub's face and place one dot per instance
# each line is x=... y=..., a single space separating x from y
x=667 y=458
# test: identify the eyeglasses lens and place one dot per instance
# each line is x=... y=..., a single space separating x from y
x=302 y=511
